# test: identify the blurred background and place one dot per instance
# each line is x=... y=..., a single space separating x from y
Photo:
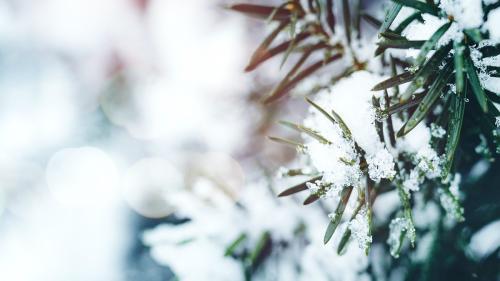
x=107 y=110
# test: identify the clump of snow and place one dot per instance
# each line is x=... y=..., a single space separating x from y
x=449 y=197
x=424 y=30
x=381 y=165
x=351 y=98
x=399 y=228
x=437 y=131
x=360 y=229
x=493 y=23
x=467 y=13
x=481 y=63
x=412 y=182
x=450 y=204
x=454 y=184
x=454 y=33
x=421 y=31
x=415 y=140
x=339 y=160
x=428 y=162
x=402 y=15
x=321 y=263
x=497 y=121
x=326 y=159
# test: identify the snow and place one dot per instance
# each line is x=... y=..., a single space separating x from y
x=381 y=165
x=338 y=161
x=428 y=162
x=437 y=131
x=361 y=229
x=454 y=185
x=416 y=140
x=326 y=159
x=412 y=182
x=201 y=259
x=397 y=228
x=423 y=31
x=481 y=63
x=450 y=198
x=467 y=13
x=195 y=250
x=355 y=93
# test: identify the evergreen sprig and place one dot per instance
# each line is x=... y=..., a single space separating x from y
x=445 y=74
